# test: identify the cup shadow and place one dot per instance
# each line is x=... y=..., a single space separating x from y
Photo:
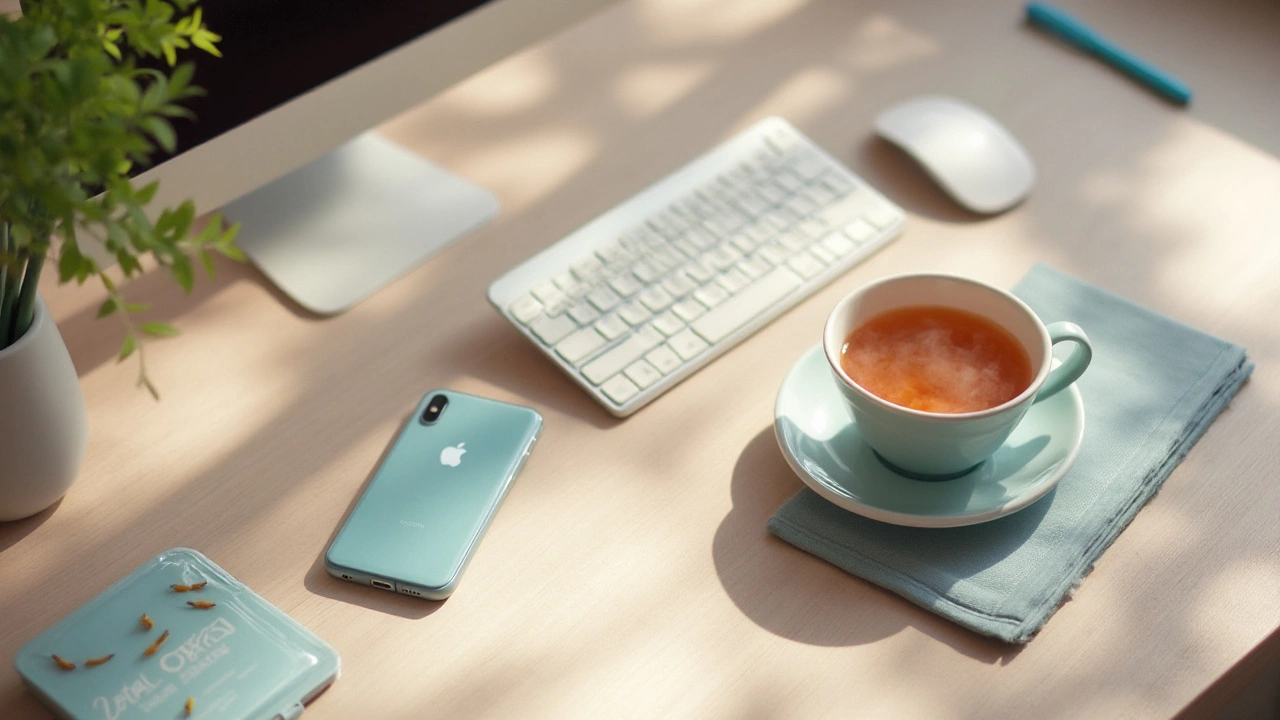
x=774 y=584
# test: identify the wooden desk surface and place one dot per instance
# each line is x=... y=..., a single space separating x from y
x=629 y=573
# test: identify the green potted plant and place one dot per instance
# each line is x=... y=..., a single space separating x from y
x=87 y=88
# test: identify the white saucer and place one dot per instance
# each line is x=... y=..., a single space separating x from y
x=822 y=444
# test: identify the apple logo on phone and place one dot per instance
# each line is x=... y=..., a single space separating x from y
x=452 y=455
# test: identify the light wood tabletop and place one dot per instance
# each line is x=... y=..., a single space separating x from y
x=629 y=573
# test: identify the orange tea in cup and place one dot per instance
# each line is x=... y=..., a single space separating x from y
x=936 y=359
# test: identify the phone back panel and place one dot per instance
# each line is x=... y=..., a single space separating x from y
x=430 y=501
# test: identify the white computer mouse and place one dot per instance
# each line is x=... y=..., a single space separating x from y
x=975 y=160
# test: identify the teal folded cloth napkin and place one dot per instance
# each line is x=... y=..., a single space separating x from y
x=1152 y=389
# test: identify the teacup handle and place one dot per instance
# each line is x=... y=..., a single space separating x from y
x=1073 y=367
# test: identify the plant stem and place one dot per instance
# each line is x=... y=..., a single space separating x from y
x=4 y=279
x=10 y=300
x=26 y=309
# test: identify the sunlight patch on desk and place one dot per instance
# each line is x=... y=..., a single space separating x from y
x=507 y=88
x=646 y=90
x=1166 y=211
x=882 y=42
x=1219 y=613
x=523 y=170
x=807 y=95
x=687 y=20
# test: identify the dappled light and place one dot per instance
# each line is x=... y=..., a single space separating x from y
x=632 y=554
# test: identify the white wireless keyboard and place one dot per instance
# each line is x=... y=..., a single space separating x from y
x=663 y=283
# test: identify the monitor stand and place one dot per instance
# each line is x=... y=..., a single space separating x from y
x=337 y=230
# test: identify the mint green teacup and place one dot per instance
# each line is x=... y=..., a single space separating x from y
x=930 y=445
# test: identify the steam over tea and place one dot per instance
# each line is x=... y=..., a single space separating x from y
x=936 y=359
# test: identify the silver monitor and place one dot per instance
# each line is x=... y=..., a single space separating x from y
x=331 y=219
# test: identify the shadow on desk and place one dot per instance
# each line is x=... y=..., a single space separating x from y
x=320 y=582
x=800 y=597
x=12 y=533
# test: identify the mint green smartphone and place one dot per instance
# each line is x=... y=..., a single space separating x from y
x=429 y=503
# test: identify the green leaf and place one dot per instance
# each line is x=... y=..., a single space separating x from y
x=181 y=77
x=231 y=251
x=69 y=263
x=130 y=344
x=107 y=307
x=144 y=196
x=162 y=131
x=159 y=329
x=207 y=261
x=129 y=264
x=112 y=49
x=206 y=40
x=183 y=272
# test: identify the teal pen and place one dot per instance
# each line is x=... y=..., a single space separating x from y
x=1082 y=36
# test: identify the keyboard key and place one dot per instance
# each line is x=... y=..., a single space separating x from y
x=655 y=298
x=753 y=267
x=678 y=284
x=722 y=258
x=664 y=359
x=668 y=323
x=646 y=272
x=840 y=214
x=566 y=282
x=612 y=327
x=583 y=314
x=587 y=269
x=859 y=231
x=774 y=253
x=744 y=243
x=580 y=344
x=556 y=306
x=689 y=310
x=698 y=271
x=838 y=183
x=611 y=253
x=711 y=295
x=789 y=183
x=882 y=217
x=525 y=309
x=800 y=205
x=620 y=389
x=807 y=164
x=604 y=299
x=552 y=329
x=689 y=249
x=643 y=374
x=760 y=233
x=820 y=194
x=794 y=241
x=625 y=284
x=822 y=253
x=805 y=264
x=761 y=295
x=634 y=313
x=778 y=220
x=733 y=280
x=617 y=358
x=839 y=244
x=546 y=291
x=687 y=344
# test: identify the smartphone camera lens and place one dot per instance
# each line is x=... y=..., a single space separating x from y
x=434 y=408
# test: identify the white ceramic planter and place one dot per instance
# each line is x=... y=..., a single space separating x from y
x=44 y=426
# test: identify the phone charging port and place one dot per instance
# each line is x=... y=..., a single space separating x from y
x=381 y=584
